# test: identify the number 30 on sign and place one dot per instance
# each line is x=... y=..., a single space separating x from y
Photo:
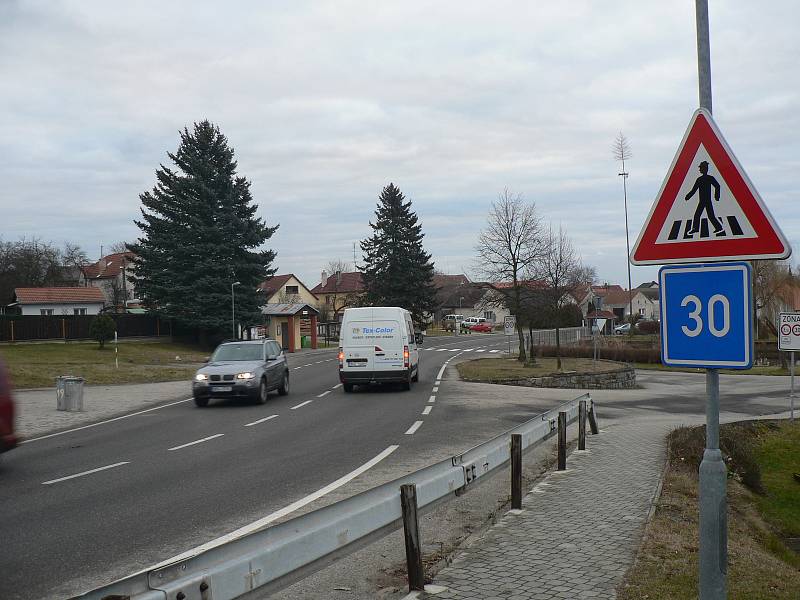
x=706 y=316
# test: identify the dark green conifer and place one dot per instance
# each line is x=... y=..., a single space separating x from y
x=199 y=235
x=397 y=271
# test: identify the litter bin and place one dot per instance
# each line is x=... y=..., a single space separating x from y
x=69 y=393
x=305 y=341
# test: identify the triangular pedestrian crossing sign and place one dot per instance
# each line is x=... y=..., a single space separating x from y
x=707 y=209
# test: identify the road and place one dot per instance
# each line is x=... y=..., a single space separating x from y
x=97 y=504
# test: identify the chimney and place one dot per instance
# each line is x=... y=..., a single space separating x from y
x=324 y=279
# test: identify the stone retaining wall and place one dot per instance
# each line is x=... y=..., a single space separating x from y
x=624 y=377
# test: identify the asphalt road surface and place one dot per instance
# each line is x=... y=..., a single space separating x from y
x=88 y=507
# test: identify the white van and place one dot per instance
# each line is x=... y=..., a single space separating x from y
x=377 y=344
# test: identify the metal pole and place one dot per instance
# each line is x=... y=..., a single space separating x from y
x=703 y=54
x=791 y=391
x=408 y=502
x=516 y=471
x=624 y=175
x=233 y=312
x=713 y=473
x=713 y=502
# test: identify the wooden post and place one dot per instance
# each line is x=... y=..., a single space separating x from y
x=582 y=425
x=408 y=501
x=562 y=441
x=516 y=471
x=12 y=331
x=593 y=421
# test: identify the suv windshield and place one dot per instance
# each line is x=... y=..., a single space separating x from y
x=238 y=352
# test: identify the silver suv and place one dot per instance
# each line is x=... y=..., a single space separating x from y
x=245 y=369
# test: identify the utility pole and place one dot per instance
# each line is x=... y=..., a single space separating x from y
x=622 y=152
x=713 y=473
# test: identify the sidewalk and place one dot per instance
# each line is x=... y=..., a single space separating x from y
x=578 y=530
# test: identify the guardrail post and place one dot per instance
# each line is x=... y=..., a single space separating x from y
x=593 y=420
x=562 y=441
x=582 y=425
x=516 y=471
x=408 y=501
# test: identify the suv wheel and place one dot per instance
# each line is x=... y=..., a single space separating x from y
x=284 y=389
x=201 y=402
x=263 y=392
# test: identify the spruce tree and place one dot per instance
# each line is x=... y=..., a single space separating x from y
x=200 y=235
x=397 y=271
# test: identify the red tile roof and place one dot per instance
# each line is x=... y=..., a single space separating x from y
x=601 y=314
x=108 y=266
x=448 y=280
x=59 y=295
x=348 y=283
x=275 y=283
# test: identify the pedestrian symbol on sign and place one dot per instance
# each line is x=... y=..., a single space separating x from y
x=702 y=186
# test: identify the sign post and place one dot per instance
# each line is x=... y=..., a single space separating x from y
x=706 y=309
x=789 y=341
x=509 y=325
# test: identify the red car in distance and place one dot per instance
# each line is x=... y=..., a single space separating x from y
x=7 y=437
x=481 y=328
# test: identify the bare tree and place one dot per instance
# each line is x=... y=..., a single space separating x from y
x=119 y=247
x=559 y=270
x=507 y=249
x=770 y=278
x=622 y=152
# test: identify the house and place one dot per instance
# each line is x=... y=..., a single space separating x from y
x=58 y=301
x=338 y=291
x=617 y=300
x=456 y=294
x=287 y=289
x=292 y=324
x=111 y=275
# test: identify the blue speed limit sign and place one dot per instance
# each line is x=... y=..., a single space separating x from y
x=706 y=316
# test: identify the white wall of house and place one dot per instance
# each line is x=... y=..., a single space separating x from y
x=58 y=310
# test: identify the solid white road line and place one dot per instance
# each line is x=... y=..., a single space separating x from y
x=441 y=349
x=325 y=393
x=338 y=385
x=432 y=399
x=301 y=404
x=300 y=367
x=205 y=439
x=456 y=350
x=119 y=464
x=414 y=427
x=261 y=523
x=441 y=372
x=141 y=412
x=467 y=349
x=427 y=410
x=260 y=420
x=493 y=351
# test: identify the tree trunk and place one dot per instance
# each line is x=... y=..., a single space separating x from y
x=521 y=336
x=531 y=348
x=558 y=349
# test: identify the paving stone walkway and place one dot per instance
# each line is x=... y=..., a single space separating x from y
x=578 y=530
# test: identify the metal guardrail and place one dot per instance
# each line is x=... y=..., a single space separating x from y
x=273 y=558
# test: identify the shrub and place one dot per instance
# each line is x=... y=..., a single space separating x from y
x=648 y=327
x=619 y=353
x=102 y=329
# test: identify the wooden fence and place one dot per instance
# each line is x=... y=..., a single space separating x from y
x=18 y=328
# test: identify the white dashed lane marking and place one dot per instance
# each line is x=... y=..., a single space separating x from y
x=427 y=410
x=432 y=399
x=301 y=404
x=205 y=439
x=260 y=420
x=414 y=427
x=338 y=385
x=324 y=394
x=119 y=464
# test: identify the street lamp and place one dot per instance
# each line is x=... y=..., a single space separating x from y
x=233 y=308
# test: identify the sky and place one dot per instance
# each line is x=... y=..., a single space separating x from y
x=325 y=103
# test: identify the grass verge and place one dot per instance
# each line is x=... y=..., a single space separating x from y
x=510 y=369
x=754 y=371
x=763 y=509
x=37 y=365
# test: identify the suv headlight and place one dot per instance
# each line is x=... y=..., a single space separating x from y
x=247 y=375
x=201 y=377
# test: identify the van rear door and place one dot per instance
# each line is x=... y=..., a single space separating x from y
x=372 y=345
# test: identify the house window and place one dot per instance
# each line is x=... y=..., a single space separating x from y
x=490 y=316
x=46 y=312
x=292 y=289
x=328 y=300
x=641 y=312
x=79 y=311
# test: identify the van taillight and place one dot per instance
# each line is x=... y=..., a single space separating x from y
x=341 y=358
x=405 y=356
